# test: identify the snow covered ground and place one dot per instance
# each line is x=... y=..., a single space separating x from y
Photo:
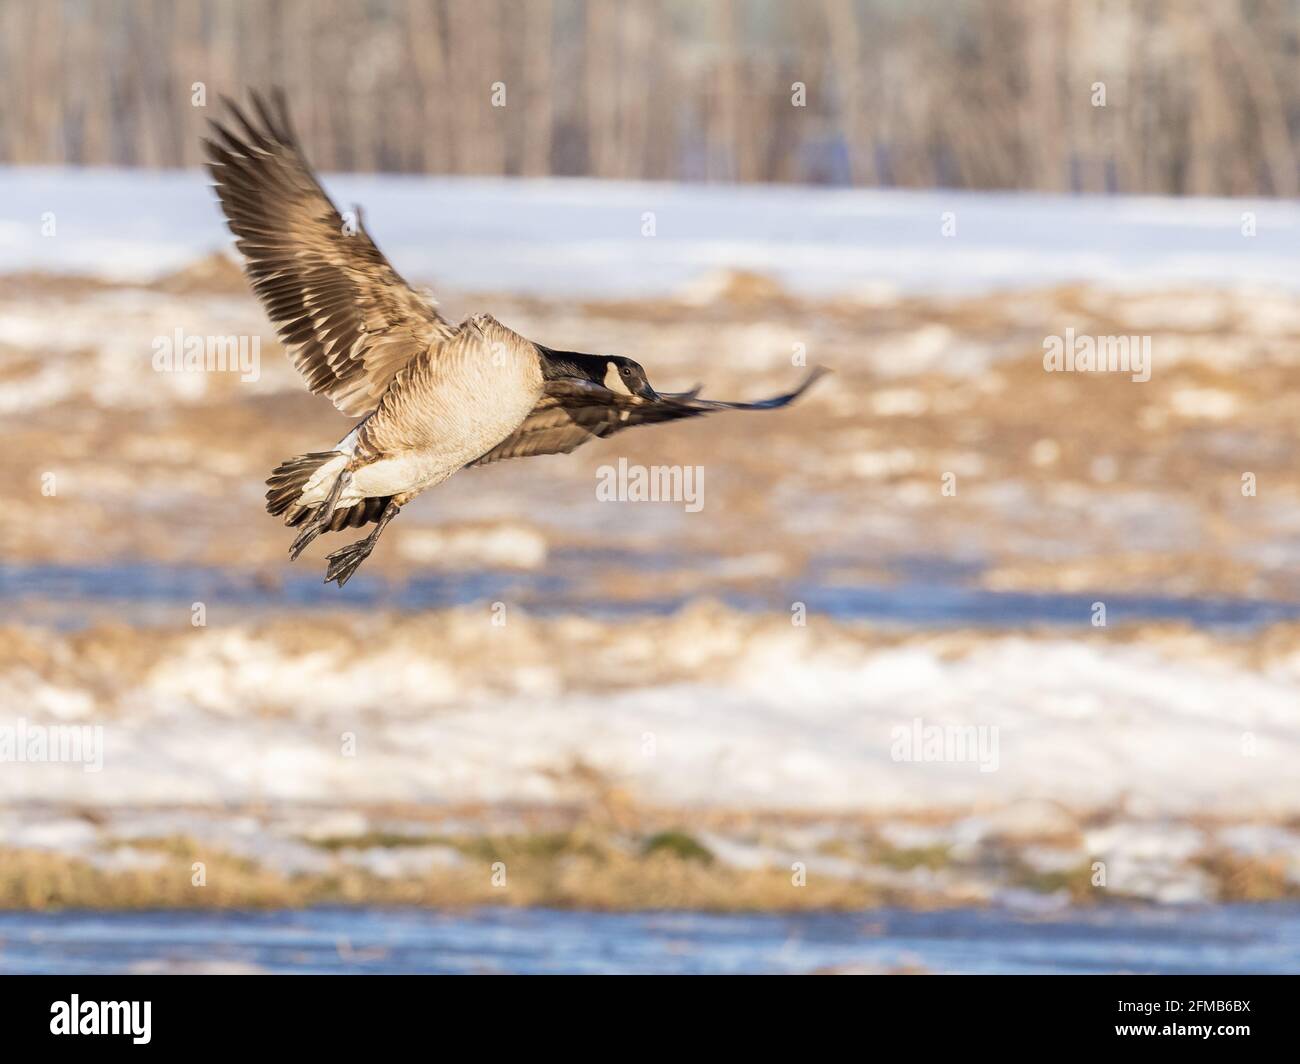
x=586 y=237
x=969 y=767
x=1158 y=748
x=704 y=709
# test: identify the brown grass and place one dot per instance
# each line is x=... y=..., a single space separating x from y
x=575 y=872
x=1249 y=879
x=588 y=859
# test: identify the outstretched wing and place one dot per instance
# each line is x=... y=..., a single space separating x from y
x=572 y=412
x=349 y=321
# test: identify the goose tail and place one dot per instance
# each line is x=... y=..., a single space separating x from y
x=305 y=474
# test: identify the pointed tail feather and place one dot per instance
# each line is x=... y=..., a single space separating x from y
x=292 y=475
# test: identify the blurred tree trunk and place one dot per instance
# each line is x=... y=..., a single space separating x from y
x=1202 y=96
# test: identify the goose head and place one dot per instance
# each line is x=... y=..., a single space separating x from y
x=624 y=375
x=614 y=372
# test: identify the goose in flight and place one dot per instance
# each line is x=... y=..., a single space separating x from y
x=432 y=397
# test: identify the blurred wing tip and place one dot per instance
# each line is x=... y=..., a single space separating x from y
x=810 y=378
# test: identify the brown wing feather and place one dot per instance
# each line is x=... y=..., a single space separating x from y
x=573 y=412
x=348 y=318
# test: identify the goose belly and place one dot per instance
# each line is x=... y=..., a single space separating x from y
x=450 y=436
x=402 y=473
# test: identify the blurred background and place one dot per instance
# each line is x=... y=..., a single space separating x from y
x=963 y=665
x=960 y=94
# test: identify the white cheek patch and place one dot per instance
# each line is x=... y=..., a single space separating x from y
x=614 y=381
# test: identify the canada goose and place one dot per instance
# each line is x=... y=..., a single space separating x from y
x=432 y=397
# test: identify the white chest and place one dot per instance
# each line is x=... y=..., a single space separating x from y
x=469 y=398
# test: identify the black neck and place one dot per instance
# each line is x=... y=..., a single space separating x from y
x=557 y=364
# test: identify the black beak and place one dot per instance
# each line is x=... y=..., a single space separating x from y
x=644 y=391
